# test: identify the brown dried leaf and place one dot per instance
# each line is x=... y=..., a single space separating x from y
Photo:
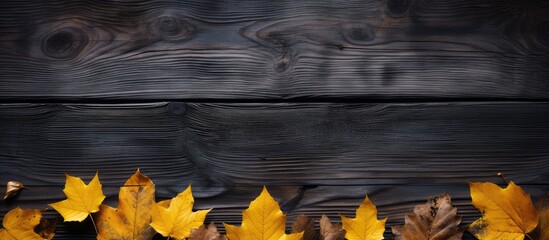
x=435 y=220
x=206 y=233
x=305 y=225
x=329 y=231
x=12 y=188
x=542 y=231
x=46 y=228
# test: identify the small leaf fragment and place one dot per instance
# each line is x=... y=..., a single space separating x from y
x=20 y=223
x=178 y=219
x=12 y=188
x=305 y=225
x=81 y=199
x=365 y=226
x=435 y=220
x=329 y=231
x=206 y=233
x=46 y=228
x=507 y=213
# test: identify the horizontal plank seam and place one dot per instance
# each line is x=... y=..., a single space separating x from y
x=112 y=100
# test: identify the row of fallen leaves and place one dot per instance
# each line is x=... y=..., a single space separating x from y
x=508 y=213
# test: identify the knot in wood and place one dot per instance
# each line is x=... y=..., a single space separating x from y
x=359 y=32
x=397 y=8
x=171 y=28
x=64 y=43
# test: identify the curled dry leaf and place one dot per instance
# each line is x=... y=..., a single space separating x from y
x=435 y=220
x=20 y=223
x=329 y=231
x=178 y=219
x=365 y=226
x=506 y=213
x=206 y=233
x=12 y=188
x=305 y=225
x=132 y=218
x=263 y=220
x=46 y=228
x=82 y=199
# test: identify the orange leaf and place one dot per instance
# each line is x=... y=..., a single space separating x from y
x=19 y=224
x=81 y=199
x=263 y=220
x=365 y=226
x=507 y=213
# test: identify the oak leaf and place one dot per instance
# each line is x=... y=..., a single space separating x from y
x=263 y=220
x=506 y=213
x=82 y=199
x=305 y=225
x=206 y=233
x=132 y=218
x=178 y=219
x=435 y=220
x=365 y=226
x=329 y=231
x=19 y=224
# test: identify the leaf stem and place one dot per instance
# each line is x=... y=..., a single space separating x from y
x=529 y=237
x=168 y=237
x=503 y=177
x=94 y=226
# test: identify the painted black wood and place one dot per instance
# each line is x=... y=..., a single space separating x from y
x=323 y=101
x=162 y=49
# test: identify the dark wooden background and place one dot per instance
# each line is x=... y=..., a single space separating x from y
x=322 y=101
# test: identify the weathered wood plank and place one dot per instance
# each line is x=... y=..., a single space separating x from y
x=368 y=143
x=278 y=143
x=161 y=50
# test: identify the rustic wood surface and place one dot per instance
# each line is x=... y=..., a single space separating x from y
x=316 y=157
x=322 y=101
x=170 y=50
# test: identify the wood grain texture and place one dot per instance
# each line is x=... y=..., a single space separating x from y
x=315 y=157
x=163 y=49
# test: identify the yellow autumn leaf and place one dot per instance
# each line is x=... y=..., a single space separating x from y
x=263 y=220
x=19 y=225
x=82 y=199
x=178 y=219
x=507 y=213
x=365 y=226
x=132 y=219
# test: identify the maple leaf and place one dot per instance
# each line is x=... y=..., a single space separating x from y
x=82 y=199
x=365 y=226
x=19 y=224
x=329 y=231
x=506 y=213
x=132 y=219
x=435 y=220
x=305 y=225
x=206 y=233
x=178 y=219
x=263 y=220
